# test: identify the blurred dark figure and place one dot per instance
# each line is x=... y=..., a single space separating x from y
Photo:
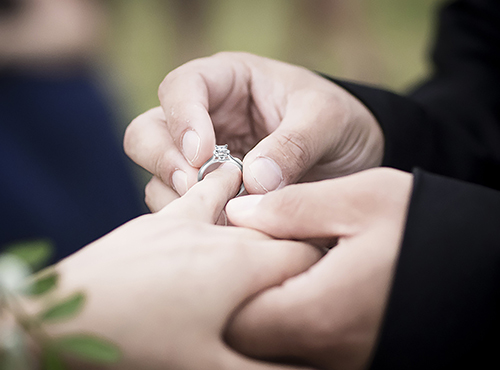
x=63 y=174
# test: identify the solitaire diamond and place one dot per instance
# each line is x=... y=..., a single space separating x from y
x=221 y=153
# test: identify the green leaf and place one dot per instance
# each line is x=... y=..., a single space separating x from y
x=51 y=360
x=88 y=347
x=65 y=309
x=35 y=254
x=43 y=284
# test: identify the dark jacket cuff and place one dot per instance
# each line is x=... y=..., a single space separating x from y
x=443 y=311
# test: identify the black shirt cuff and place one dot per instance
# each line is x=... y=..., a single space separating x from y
x=443 y=311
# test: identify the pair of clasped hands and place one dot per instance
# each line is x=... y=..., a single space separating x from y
x=177 y=291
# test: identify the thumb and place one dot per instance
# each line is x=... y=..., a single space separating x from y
x=303 y=211
x=301 y=140
x=233 y=360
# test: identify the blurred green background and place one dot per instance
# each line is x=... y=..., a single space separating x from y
x=56 y=55
x=384 y=42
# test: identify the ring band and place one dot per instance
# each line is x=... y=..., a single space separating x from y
x=221 y=155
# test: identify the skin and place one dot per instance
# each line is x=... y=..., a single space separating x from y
x=288 y=123
x=361 y=217
x=311 y=130
x=330 y=316
x=163 y=286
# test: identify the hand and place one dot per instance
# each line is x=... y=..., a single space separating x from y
x=289 y=123
x=330 y=315
x=164 y=285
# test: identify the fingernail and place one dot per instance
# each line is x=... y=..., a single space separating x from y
x=191 y=145
x=179 y=182
x=266 y=173
x=243 y=204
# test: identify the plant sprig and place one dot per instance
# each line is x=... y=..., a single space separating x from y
x=17 y=263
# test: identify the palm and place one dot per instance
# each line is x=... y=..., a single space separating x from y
x=246 y=108
x=243 y=118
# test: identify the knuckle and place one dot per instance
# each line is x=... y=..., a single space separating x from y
x=295 y=147
x=187 y=226
x=226 y=54
x=223 y=54
x=190 y=67
x=336 y=100
x=172 y=75
x=164 y=86
x=169 y=78
x=163 y=169
x=136 y=130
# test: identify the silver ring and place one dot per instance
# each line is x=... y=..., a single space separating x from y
x=221 y=155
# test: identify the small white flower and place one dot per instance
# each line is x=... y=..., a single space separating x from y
x=13 y=272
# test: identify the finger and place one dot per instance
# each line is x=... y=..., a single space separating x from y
x=310 y=126
x=326 y=209
x=311 y=210
x=278 y=322
x=269 y=263
x=206 y=199
x=158 y=195
x=328 y=316
x=149 y=144
x=231 y=360
x=189 y=93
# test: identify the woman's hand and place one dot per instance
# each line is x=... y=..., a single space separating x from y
x=163 y=286
x=289 y=123
x=330 y=315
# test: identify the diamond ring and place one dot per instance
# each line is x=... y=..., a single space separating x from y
x=221 y=155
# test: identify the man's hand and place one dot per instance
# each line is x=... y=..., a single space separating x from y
x=290 y=124
x=163 y=286
x=330 y=315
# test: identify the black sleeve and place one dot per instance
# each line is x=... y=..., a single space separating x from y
x=451 y=124
x=7 y=6
x=444 y=308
